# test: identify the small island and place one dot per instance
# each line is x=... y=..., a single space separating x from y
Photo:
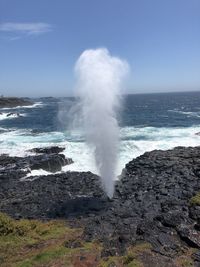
x=12 y=102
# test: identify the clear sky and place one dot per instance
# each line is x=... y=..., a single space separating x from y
x=40 y=40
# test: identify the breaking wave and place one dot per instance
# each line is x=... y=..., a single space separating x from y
x=134 y=142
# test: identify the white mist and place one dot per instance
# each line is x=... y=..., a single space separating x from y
x=99 y=79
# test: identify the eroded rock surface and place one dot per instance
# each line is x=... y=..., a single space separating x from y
x=49 y=160
x=151 y=203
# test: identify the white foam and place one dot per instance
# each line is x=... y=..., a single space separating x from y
x=4 y=116
x=135 y=141
x=3 y=129
x=35 y=105
x=18 y=142
x=37 y=173
x=131 y=146
x=187 y=113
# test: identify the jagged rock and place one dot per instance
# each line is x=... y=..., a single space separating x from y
x=189 y=235
x=172 y=218
x=196 y=256
x=18 y=167
x=48 y=162
x=10 y=114
x=47 y=150
x=195 y=212
x=10 y=168
x=52 y=196
x=151 y=202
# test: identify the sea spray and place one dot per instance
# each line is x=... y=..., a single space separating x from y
x=99 y=80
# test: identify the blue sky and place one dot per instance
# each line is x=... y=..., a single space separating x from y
x=40 y=40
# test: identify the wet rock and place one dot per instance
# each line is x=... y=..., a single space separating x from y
x=11 y=168
x=48 y=150
x=48 y=162
x=13 y=114
x=18 y=167
x=10 y=114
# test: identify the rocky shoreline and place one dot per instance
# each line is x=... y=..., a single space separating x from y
x=12 y=102
x=156 y=201
x=48 y=159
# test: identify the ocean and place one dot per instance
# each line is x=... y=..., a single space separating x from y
x=147 y=122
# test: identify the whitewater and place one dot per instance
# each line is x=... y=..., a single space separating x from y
x=148 y=122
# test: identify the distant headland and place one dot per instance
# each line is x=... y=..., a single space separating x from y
x=12 y=102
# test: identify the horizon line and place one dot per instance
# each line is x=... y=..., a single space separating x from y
x=123 y=94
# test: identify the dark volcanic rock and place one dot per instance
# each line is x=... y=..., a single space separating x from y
x=13 y=114
x=189 y=235
x=11 y=102
x=54 y=196
x=151 y=202
x=48 y=162
x=47 y=150
x=196 y=256
x=18 y=167
x=11 y=168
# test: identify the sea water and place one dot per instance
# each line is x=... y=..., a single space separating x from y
x=147 y=122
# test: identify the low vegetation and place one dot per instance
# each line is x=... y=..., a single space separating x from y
x=195 y=200
x=32 y=243
x=26 y=243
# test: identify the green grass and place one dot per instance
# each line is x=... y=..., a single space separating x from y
x=27 y=243
x=185 y=262
x=114 y=260
x=44 y=257
x=33 y=243
x=128 y=260
x=30 y=228
x=134 y=263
